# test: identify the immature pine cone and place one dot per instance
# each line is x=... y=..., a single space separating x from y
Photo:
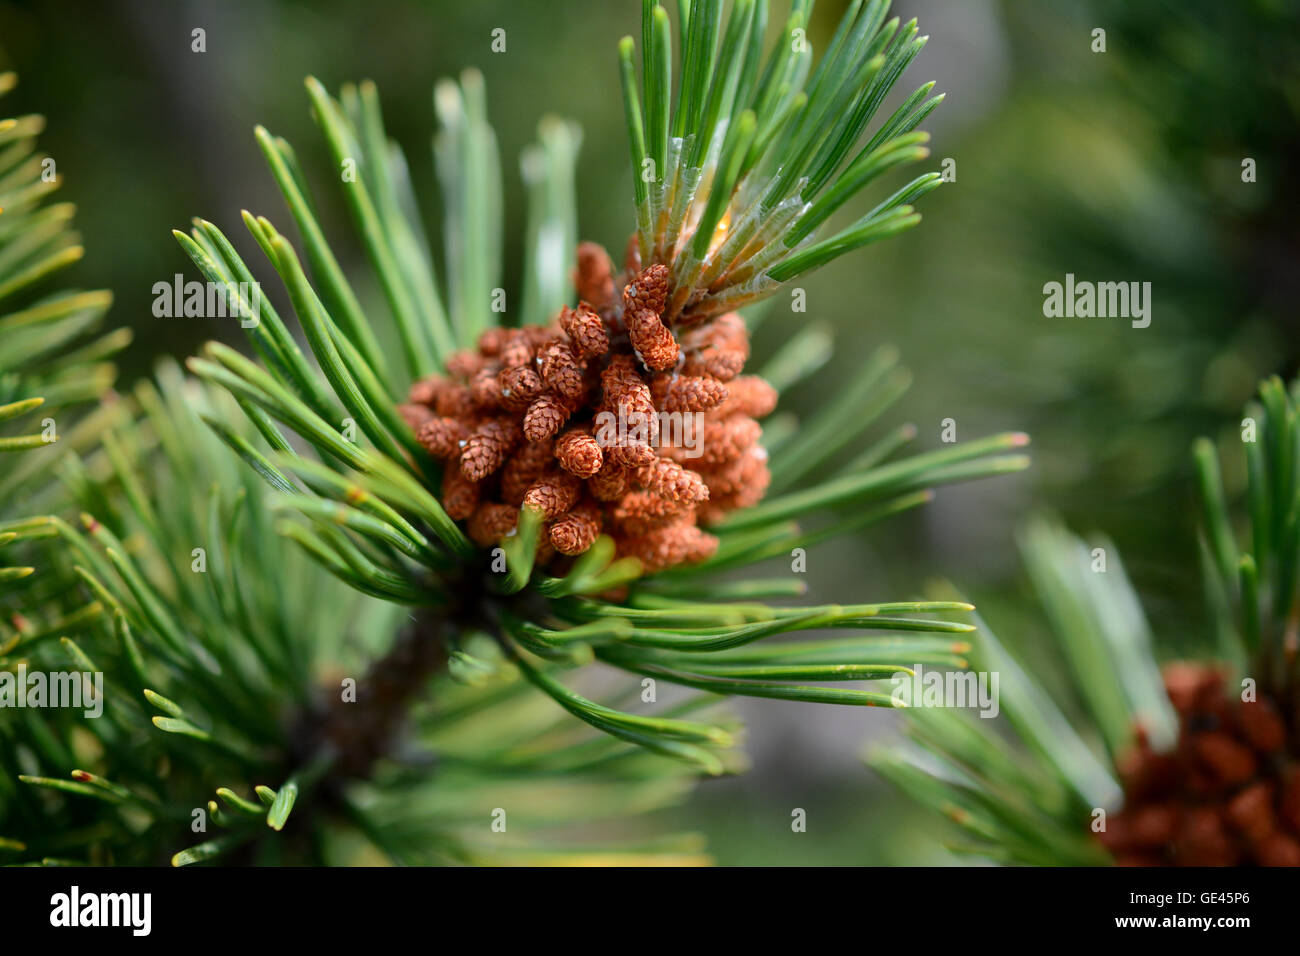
x=603 y=421
x=1227 y=795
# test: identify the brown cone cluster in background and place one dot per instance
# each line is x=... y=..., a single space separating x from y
x=1228 y=795
x=569 y=419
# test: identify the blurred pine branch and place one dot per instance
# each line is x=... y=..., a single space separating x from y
x=1197 y=766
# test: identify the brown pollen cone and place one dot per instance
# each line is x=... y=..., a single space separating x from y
x=604 y=421
x=1228 y=794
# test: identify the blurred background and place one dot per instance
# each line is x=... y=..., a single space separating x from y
x=1122 y=165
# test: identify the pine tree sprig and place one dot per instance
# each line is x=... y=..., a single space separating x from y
x=759 y=157
x=1215 y=728
x=319 y=548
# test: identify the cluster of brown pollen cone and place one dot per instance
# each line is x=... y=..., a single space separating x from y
x=565 y=419
x=1227 y=795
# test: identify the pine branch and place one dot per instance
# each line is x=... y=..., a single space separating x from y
x=1195 y=766
x=47 y=358
x=217 y=613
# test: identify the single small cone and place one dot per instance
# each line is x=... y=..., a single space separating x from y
x=455 y=401
x=425 y=391
x=464 y=365
x=517 y=351
x=586 y=330
x=544 y=417
x=647 y=291
x=414 y=415
x=576 y=531
x=485 y=388
x=1227 y=794
x=640 y=512
x=491 y=522
x=670 y=545
x=670 y=480
x=561 y=370
x=653 y=342
x=610 y=483
x=486 y=450
x=579 y=453
x=522 y=471
x=444 y=437
x=748 y=395
x=594 y=276
x=460 y=495
x=689 y=393
x=493 y=340
x=519 y=387
x=553 y=494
